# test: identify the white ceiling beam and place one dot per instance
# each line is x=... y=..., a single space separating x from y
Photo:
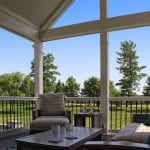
x=18 y=25
x=129 y=21
x=111 y=24
x=56 y=14
x=70 y=31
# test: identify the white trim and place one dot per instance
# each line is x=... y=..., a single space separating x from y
x=82 y=99
x=132 y=98
x=91 y=27
x=71 y=31
x=129 y=21
x=78 y=99
x=17 y=98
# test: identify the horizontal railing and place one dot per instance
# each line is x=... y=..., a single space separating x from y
x=16 y=112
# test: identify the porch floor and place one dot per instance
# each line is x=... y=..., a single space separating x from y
x=7 y=138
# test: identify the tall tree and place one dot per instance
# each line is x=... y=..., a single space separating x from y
x=91 y=87
x=16 y=83
x=72 y=88
x=112 y=90
x=49 y=72
x=146 y=89
x=27 y=86
x=60 y=87
x=129 y=68
x=10 y=84
x=5 y=85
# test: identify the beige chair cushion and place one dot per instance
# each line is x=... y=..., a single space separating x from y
x=52 y=104
x=134 y=132
x=44 y=122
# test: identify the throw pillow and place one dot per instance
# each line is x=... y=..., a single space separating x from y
x=147 y=121
x=148 y=140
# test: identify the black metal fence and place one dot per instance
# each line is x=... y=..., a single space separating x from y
x=15 y=112
x=123 y=108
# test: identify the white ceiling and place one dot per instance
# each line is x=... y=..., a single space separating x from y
x=36 y=14
x=35 y=11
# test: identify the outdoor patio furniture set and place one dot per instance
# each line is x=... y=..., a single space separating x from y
x=134 y=136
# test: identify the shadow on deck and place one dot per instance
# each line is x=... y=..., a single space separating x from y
x=7 y=138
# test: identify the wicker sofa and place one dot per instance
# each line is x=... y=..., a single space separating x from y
x=123 y=142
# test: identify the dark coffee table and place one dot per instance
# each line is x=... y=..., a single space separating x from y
x=40 y=141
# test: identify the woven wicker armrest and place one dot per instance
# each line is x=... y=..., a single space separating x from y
x=139 y=118
x=68 y=114
x=35 y=113
x=119 y=145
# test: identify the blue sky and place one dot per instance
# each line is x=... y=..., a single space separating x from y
x=79 y=56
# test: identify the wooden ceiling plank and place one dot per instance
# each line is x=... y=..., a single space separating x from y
x=18 y=25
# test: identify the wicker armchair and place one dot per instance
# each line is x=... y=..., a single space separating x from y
x=52 y=111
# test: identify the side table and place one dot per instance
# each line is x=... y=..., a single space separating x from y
x=80 y=119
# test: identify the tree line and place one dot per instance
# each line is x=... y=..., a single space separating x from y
x=19 y=84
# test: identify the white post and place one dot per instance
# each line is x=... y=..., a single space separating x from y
x=104 y=69
x=38 y=70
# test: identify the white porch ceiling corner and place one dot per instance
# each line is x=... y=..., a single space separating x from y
x=33 y=19
x=28 y=17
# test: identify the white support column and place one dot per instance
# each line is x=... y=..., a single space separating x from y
x=103 y=9
x=104 y=81
x=104 y=69
x=38 y=76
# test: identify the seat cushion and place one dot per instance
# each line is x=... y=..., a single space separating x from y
x=44 y=123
